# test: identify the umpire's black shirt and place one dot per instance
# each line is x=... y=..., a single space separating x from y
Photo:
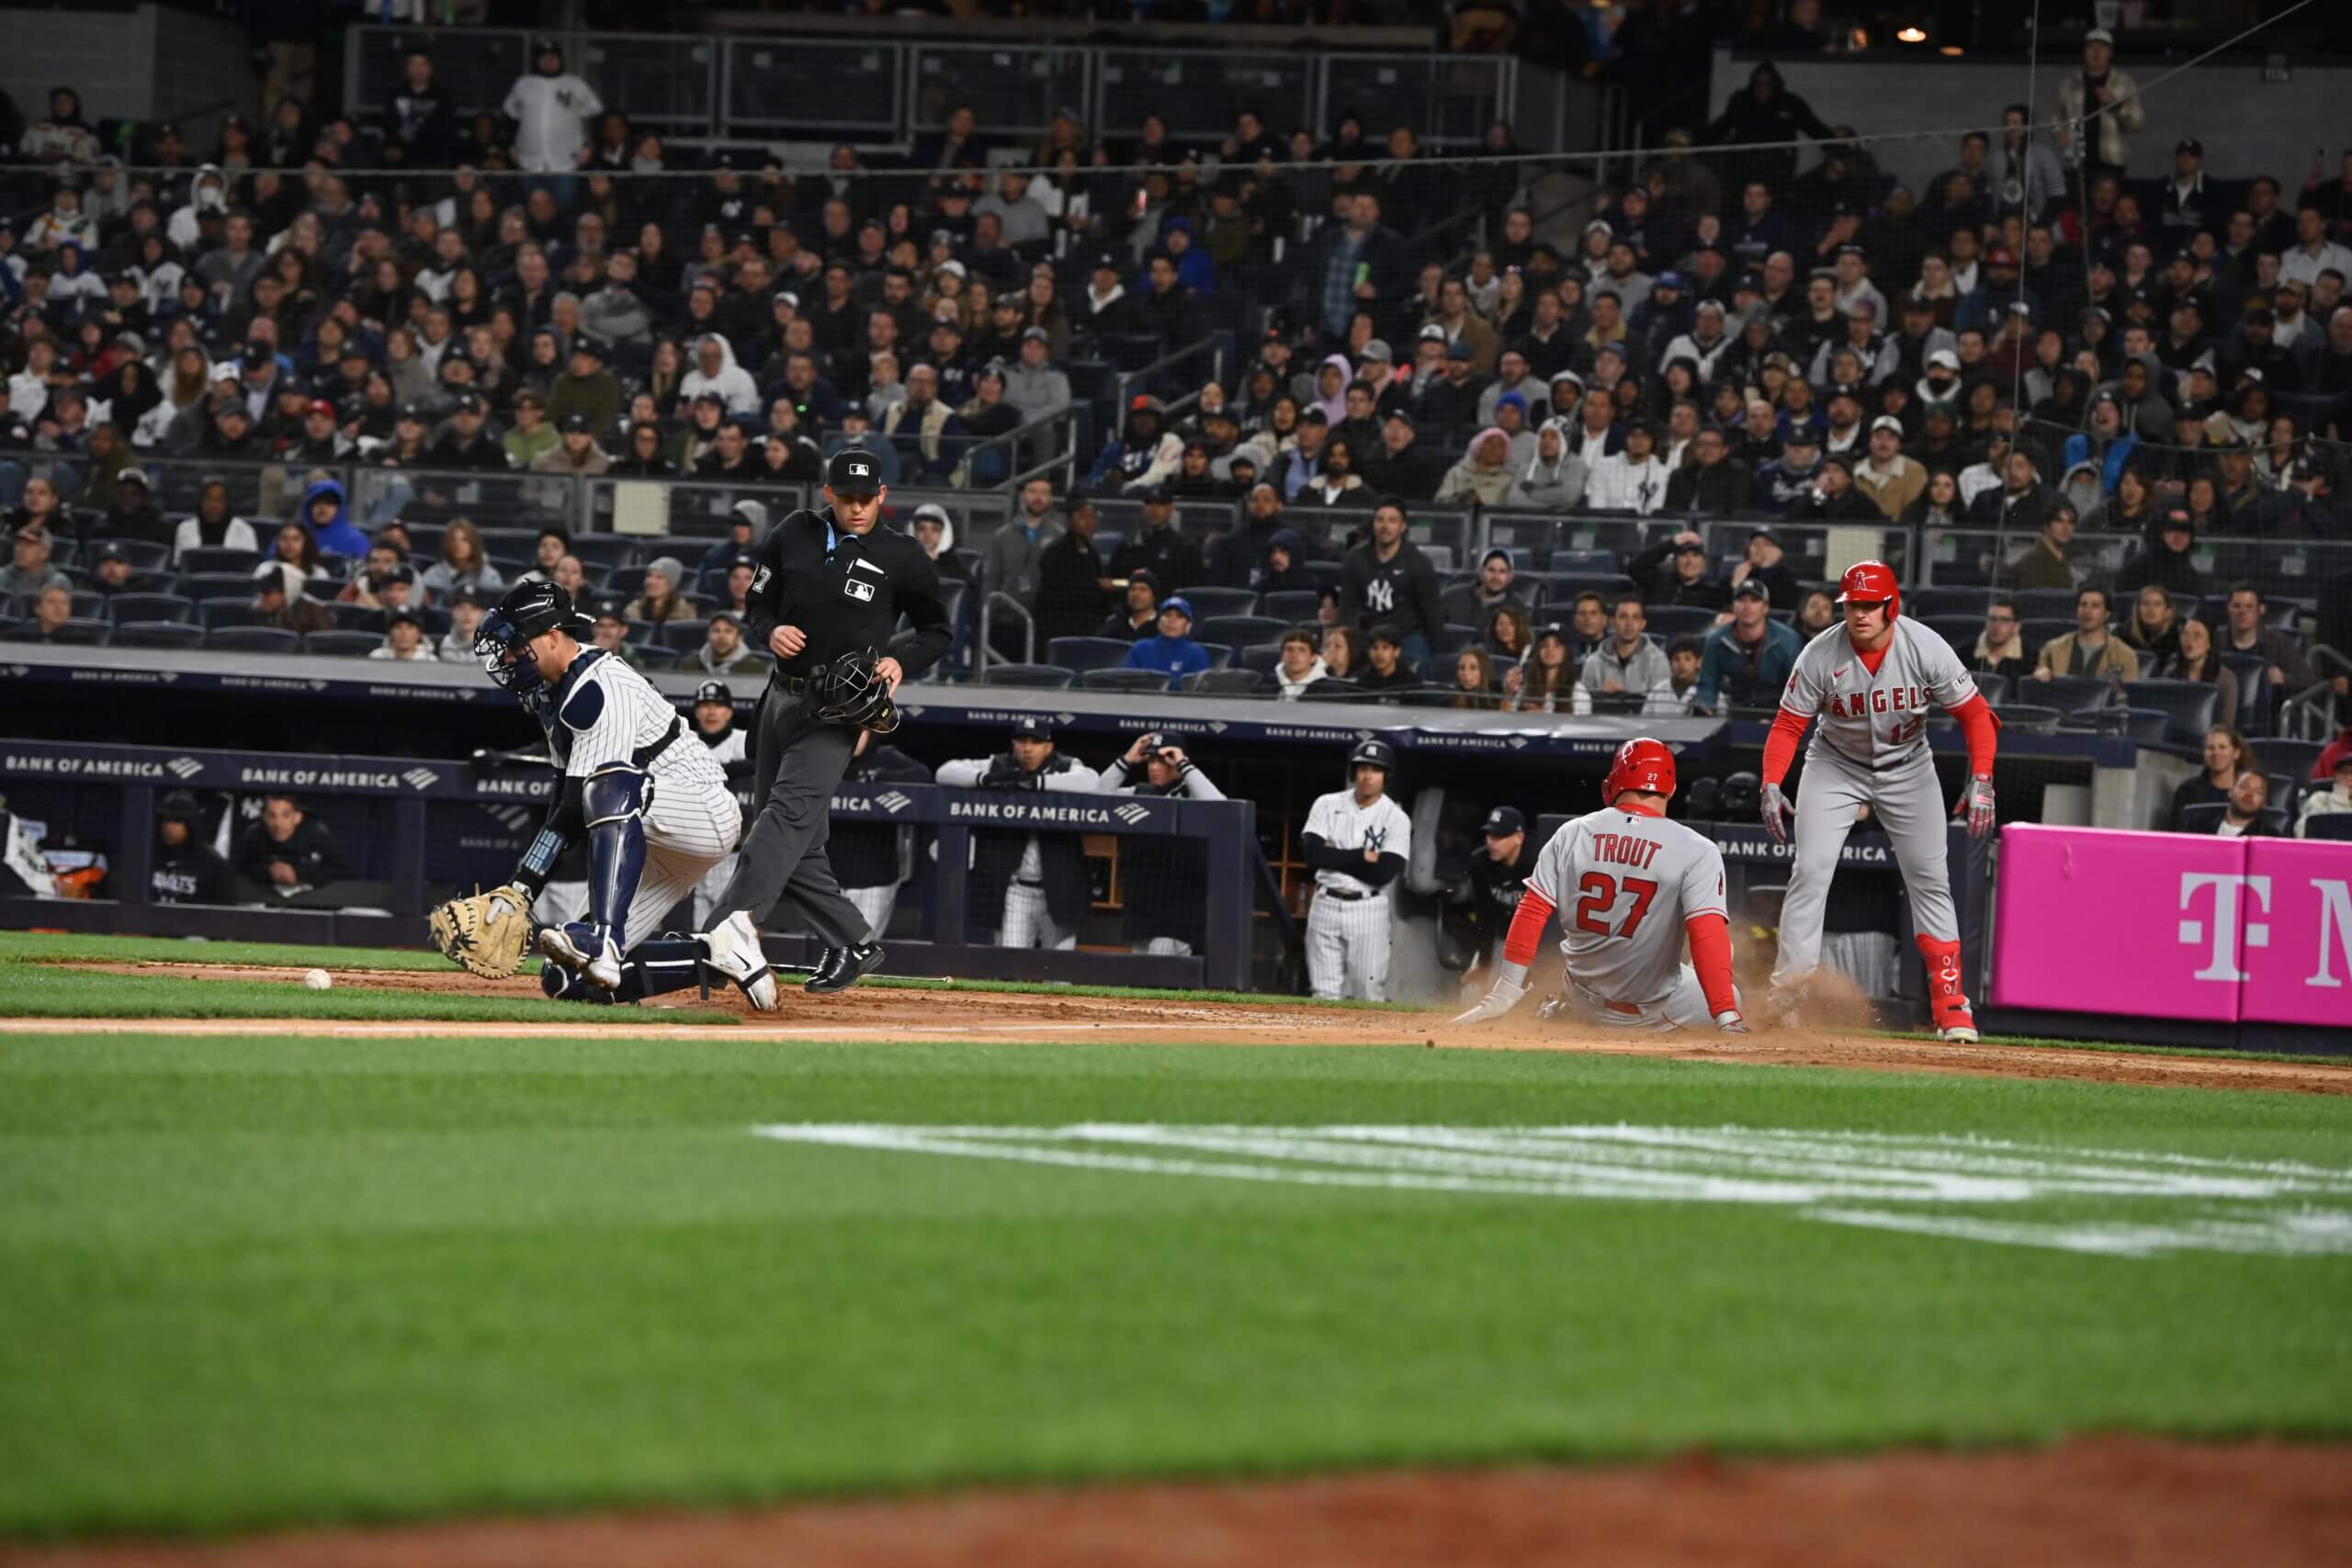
x=845 y=591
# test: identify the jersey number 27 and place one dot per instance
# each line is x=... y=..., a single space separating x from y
x=1600 y=890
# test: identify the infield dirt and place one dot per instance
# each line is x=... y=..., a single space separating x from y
x=882 y=1014
x=2088 y=1503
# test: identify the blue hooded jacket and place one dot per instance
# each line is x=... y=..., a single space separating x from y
x=340 y=537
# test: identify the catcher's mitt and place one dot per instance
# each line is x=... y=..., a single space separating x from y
x=487 y=932
x=847 y=691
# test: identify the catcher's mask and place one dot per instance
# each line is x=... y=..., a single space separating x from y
x=503 y=641
x=847 y=691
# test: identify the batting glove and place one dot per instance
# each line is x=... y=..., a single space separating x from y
x=1979 y=803
x=1494 y=1003
x=1728 y=1022
x=1775 y=813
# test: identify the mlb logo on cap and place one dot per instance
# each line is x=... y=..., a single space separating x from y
x=854 y=472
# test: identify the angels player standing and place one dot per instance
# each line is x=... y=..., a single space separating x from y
x=1629 y=887
x=1358 y=841
x=1870 y=682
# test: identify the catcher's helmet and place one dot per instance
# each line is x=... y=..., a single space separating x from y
x=501 y=641
x=1378 y=753
x=1642 y=763
x=1870 y=581
x=1742 y=798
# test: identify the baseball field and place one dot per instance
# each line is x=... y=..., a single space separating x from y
x=422 y=1269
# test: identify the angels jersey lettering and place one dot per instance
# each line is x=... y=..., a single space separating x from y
x=1622 y=884
x=1876 y=718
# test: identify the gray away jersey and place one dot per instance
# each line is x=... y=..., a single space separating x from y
x=1876 y=720
x=1621 y=884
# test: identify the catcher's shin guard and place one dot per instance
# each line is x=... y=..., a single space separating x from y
x=614 y=800
x=667 y=963
x=1947 y=1004
x=564 y=985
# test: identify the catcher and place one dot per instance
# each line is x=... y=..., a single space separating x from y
x=654 y=807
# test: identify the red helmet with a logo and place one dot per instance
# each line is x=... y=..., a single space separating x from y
x=1642 y=763
x=1868 y=581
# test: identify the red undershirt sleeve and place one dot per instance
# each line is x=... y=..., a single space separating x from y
x=1980 y=725
x=1527 y=923
x=1780 y=745
x=1710 y=958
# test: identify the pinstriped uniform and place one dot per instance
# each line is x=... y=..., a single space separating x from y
x=692 y=822
x=1346 y=927
x=732 y=748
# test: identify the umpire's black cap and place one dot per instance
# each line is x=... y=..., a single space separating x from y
x=853 y=471
x=714 y=691
x=1032 y=726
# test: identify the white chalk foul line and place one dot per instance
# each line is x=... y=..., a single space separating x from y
x=1879 y=1181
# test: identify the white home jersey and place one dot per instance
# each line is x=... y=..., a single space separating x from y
x=1344 y=825
x=612 y=714
x=1622 y=884
x=1877 y=718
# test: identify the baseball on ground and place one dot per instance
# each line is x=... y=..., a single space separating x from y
x=317 y=980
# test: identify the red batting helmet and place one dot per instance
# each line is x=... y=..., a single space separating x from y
x=1868 y=581
x=1644 y=764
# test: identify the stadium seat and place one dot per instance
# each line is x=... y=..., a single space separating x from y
x=1248 y=683
x=1262 y=660
x=2203 y=819
x=205 y=586
x=2045 y=603
x=2188 y=707
x=682 y=636
x=604 y=550
x=342 y=644
x=2334 y=825
x=84 y=632
x=90 y=606
x=1670 y=621
x=1240 y=631
x=1582 y=562
x=1926 y=603
x=144 y=555
x=1959 y=632
x=2254 y=690
x=2037 y=632
x=2069 y=694
x=1143 y=680
x=357 y=618
x=1291 y=606
x=126 y=608
x=214 y=613
x=168 y=635
x=1044 y=677
x=1332 y=689
x=625 y=581
x=1220 y=654
x=1210 y=602
x=253 y=639
x=240 y=562
x=1085 y=653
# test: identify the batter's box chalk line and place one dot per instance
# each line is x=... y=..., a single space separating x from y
x=2107 y=1203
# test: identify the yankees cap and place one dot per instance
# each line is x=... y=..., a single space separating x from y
x=853 y=472
x=1503 y=822
x=1032 y=726
x=714 y=691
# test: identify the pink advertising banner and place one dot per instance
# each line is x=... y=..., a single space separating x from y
x=2091 y=919
x=2171 y=925
x=2297 y=937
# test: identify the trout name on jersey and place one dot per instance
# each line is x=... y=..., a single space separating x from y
x=1624 y=849
x=1878 y=699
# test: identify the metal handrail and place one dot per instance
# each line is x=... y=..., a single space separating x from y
x=982 y=652
x=961 y=478
x=2311 y=713
x=1215 y=343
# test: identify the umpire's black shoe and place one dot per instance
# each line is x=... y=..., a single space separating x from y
x=843 y=967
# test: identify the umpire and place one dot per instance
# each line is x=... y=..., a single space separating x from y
x=831 y=586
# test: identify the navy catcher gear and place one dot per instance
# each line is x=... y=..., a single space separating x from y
x=614 y=800
x=503 y=640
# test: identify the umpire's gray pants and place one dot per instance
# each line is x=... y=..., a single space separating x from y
x=782 y=866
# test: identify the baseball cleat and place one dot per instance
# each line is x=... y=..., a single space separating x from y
x=587 y=950
x=733 y=947
x=843 y=967
x=1957 y=1026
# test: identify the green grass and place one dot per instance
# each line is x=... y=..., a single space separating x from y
x=250 y=1282
x=48 y=990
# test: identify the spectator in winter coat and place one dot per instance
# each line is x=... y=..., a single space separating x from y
x=1555 y=479
x=1712 y=482
x=1387 y=580
x=1157 y=545
x=1172 y=651
x=1074 y=584
x=1887 y=476
x=1746 y=663
x=1628 y=673
x=1473 y=603
x=716 y=371
x=288 y=852
x=1484 y=473
x=2089 y=648
x=1146 y=454
x=1678 y=571
x=1632 y=480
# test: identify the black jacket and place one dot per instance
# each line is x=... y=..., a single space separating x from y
x=1401 y=591
x=317 y=859
x=846 y=592
x=1070 y=596
x=189 y=875
x=1171 y=557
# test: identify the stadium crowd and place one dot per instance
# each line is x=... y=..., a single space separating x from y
x=2062 y=339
